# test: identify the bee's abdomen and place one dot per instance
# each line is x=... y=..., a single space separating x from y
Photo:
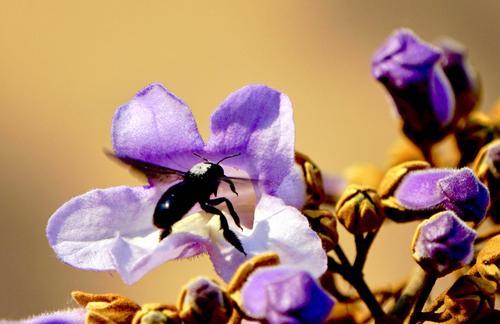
x=173 y=205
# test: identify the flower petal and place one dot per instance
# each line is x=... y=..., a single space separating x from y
x=257 y=122
x=418 y=190
x=83 y=231
x=156 y=127
x=70 y=316
x=132 y=261
x=279 y=228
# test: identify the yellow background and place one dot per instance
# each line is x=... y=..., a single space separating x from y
x=66 y=65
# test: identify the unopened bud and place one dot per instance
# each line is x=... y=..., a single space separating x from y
x=475 y=132
x=359 y=209
x=471 y=299
x=204 y=301
x=324 y=223
x=487 y=168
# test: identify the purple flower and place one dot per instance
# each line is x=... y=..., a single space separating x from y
x=462 y=77
x=434 y=190
x=285 y=295
x=70 y=316
x=112 y=229
x=409 y=69
x=443 y=243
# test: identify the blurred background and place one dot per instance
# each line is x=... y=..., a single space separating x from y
x=65 y=66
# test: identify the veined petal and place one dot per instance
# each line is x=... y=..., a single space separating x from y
x=84 y=230
x=279 y=228
x=257 y=122
x=157 y=127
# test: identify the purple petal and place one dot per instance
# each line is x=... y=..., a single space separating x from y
x=157 y=127
x=285 y=294
x=257 y=122
x=111 y=229
x=419 y=189
x=133 y=261
x=279 y=228
x=70 y=316
x=443 y=243
x=404 y=59
x=441 y=93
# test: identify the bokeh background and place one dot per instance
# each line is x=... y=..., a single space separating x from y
x=66 y=65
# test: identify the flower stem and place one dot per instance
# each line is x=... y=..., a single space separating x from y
x=355 y=278
x=409 y=295
x=363 y=245
x=427 y=285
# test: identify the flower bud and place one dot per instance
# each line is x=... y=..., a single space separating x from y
x=203 y=301
x=488 y=261
x=475 y=132
x=359 y=209
x=285 y=295
x=422 y=193
x=106 y=308
x=463 y=79
x=410 y=71
x=324 y=223
x=487 y=168
x=443 y=243
x=471 y=299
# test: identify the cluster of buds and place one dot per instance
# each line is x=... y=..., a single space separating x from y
x=261 y=290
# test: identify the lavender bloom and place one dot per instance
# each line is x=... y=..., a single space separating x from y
x=285 y=295
x=70 y=316
x=409 y=69
x=463 y=79
x=434 y=190
x=112 y=229
x=443 y=243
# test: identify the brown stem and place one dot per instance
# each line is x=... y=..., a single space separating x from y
x=363 y=245
x=409 y=295
x=355 y=278
x=427 y=153
x=427 y=285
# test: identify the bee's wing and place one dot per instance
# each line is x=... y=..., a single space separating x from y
x=152 y=171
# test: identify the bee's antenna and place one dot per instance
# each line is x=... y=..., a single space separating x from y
x=228 y=157
x=201 y=157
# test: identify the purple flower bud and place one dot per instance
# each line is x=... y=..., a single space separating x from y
x=409 y=69
x=443 y=243
x=285 y=295
x=204 y=297
x=434 y=190
x=462 y=77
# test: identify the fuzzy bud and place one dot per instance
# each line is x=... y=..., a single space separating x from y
x=410 y=71
x=285 y=295
x=359 y=209
x=487 y=168
x=471 y=299
x=474 y=133
x=443 y=243
x=203 y=301
x=463 y=79
x=421 y=193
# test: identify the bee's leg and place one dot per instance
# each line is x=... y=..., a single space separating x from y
x=230 y=207
x=165 y=232
x=228 y=234
x=231 y=185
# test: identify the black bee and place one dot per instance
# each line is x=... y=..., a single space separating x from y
x=196 y=186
